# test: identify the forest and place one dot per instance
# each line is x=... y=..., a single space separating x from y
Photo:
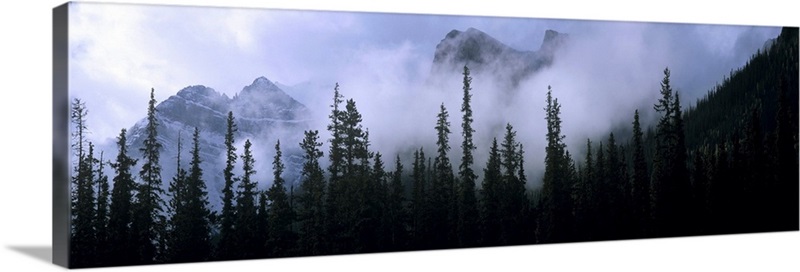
x=727 y=164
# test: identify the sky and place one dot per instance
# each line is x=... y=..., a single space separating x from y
x=118 y=52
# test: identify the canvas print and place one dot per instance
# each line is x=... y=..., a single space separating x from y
x=192 y=134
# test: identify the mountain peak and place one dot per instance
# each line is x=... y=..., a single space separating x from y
x=552 y=40
x=261 y=84
x=482 y=52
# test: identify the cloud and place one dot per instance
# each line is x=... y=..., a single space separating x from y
x=118 y=52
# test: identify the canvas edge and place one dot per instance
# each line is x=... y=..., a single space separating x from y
x=61 y=204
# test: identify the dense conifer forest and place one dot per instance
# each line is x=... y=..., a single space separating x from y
x=725 y=164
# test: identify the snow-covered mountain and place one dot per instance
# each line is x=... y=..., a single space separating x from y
x=263 y=114
x=485 y=54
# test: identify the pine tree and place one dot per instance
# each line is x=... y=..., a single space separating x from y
x=682 y=184
x=245 y=223
x=419 y=200
x=640 y=191
x=396 y=212
x=176 y=208
x=189 y=231
x=442 y=186
x=149 y=221
x=491 y=194
x=372 y=225
x=101 y=215
x=467 y=228
x=662 y=168
x=227 y=248
x=670 y=177
x=122 y=251
x=556 y=215
x=336 y=169
x=311 y=212
x=82 y=238
x=84 y=241
x=262 y=226
x=281 y=238
x=583 y=197
x=512 y=189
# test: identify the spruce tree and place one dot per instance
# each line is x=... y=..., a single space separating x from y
x=336 y=194
x=83 y=241
x=227 y=248
x=491 y=197
x=395 y=210
x=556 y=215
x=583 y=197
x=101 y=215
x=262 y=226
x=466 y=227
x=419 y=200
x=176 y=209
x=442 y=200
x=149 y=219
x=281 y=238
x=121 y=251
x=81 y=192
x=311 y=211
x=245 y=223
x=662 y=163
x=640 y=191
x=191 y=228
x=512 y=205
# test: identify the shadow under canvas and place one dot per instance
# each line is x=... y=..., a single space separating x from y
x=42 y=253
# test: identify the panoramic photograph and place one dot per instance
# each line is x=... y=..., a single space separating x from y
x=208 y=134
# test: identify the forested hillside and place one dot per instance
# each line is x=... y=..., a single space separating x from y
x=728 y=164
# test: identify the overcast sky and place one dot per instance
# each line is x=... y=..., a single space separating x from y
x=118 y=52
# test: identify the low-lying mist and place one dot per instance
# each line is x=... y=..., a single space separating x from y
x=600 y=77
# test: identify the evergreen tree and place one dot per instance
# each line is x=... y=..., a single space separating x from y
x=670 y=178
x=262 y=226
x=101 y=215
x=227 y=248
x=176 y=208
x=395 y=211
x=84 y=241
x=245 y=223
x=336 y=169
x=491 y=195
x=467 y=228
x=556 y=215
x=311 y=212
x=82 y=238
x=197 y=226
x=640 y=191
x=442 y=186
x=188 y=239
x=583 y=197
x=281 y=238
x=512 y=188
x=121 y=251
x=149 y=220
x=372 y=225
x=419 y=200
x=682 y=184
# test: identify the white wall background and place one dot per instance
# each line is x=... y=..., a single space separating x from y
x=25 y=165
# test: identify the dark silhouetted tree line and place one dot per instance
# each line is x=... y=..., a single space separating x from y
x=728 y=164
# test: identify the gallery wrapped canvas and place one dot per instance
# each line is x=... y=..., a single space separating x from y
x=193 y=134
